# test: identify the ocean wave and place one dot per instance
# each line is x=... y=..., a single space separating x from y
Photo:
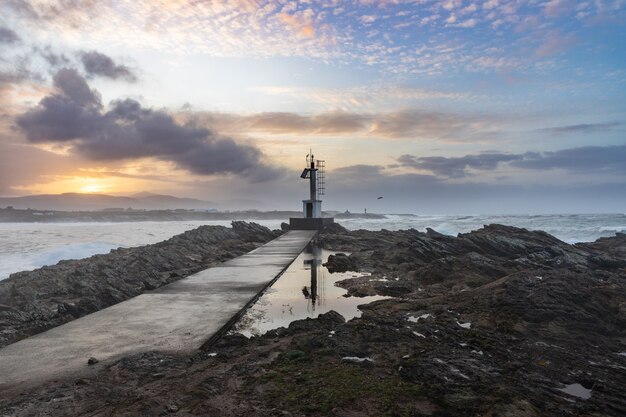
x=16 y=262
x=73 y=251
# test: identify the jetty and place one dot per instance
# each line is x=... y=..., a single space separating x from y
x=179 y=317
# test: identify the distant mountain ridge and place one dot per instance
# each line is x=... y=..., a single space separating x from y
x=92 y=202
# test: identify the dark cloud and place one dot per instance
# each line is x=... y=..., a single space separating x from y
x=99 y=64
x=581 y=128
x=584 y=159
x=456 y=167
x=74 y=114
x=358 y=171
x=8 y=36
x=606 y=159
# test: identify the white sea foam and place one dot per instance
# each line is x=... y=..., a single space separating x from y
x=25 y=246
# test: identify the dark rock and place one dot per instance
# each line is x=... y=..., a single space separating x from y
x=92 y=361
x=294 y=355
x=332 y=317
x=340 y=262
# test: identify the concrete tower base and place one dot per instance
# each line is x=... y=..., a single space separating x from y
x=311 y=223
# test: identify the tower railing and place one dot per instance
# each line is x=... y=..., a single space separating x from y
x=321 y=177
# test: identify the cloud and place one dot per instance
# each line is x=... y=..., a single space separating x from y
x=456 y=167
x=358 y=171
x=606 y=159
x=18 y=72
x=368 y=19
x=268 y=28
x=555 y=43
x=427 y=125
x=70 y=12
x=299 y=23
x=325 y=123
x=8 y=36
x=376 y=96
x=596 y=159
x=402 y=124
x=582 y=128
x=556 y=8
x=75 y=115
x=469 y=23
x=54 y=60
x=98 y=64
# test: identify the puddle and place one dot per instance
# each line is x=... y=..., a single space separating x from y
x=464 y=325
x=306 y=289
x=576 y=390
x=414 y=319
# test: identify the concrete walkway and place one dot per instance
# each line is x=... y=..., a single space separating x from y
x=178 y=317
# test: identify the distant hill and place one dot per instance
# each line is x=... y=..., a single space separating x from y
x=91 y=202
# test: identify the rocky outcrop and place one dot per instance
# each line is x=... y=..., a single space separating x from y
x=497 y=322
x=34 y=301
x=341 y=262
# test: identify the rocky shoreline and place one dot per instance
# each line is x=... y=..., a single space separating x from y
x=501 y=321
x=35 y=301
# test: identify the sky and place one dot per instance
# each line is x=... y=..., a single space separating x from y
x=439 y=107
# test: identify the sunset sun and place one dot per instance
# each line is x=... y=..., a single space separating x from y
x=91 y=189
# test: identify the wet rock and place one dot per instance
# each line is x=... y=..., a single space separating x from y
x=340 y=262
x=92 y=361
x=331 y=317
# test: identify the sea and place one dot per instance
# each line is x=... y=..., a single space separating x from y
x=27 y=246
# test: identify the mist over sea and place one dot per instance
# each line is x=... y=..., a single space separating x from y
x=26 y=246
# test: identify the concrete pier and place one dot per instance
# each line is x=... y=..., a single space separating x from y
x=178 y=317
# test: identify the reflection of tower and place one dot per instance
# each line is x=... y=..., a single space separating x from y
x=313 y=264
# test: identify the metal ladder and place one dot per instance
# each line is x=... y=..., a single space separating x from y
x=321 y=177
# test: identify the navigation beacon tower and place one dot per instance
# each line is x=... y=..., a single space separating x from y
x=315 y=172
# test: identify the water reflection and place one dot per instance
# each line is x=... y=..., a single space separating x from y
x=306 y=289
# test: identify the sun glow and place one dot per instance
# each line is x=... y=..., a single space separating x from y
x=91 y=189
